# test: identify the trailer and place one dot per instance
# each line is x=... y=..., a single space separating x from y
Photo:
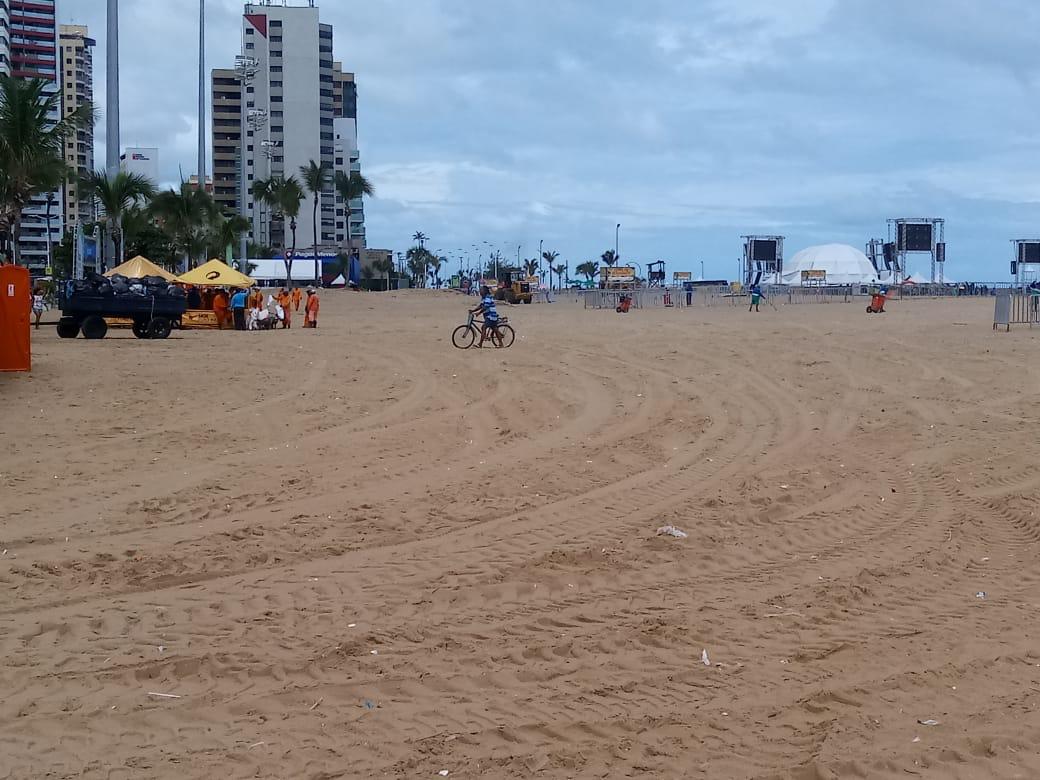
x=153 y=316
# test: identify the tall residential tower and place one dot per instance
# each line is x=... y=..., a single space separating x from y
x=292 y=100
x=34 y=54
x=77 y=88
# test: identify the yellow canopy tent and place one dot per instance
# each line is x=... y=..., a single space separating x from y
x=215 y=274
x=140 y=267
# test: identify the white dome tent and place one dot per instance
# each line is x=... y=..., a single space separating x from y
x=844 y=264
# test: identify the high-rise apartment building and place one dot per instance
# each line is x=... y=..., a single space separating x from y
x=348 y=158
x=5 y=38
x=142 y=160
x=34 y=54
x=76 y=65
x=226 y=113
x=290 y=116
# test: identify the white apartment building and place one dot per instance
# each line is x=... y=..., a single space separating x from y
x=291 y=104
x=142 y=160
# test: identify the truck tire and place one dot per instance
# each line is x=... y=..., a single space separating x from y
x=159 y=328
x=140 y=329
x=527 y=300
x=68 y=328
x=94 y=327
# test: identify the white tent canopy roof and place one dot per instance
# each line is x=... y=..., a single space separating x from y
x=844 y=264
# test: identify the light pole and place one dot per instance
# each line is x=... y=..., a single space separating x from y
x=202 y=95
x=702 y=270
x=112 y=143
x=540 y=242
x=617 y=244
x=245 y=68
x=518 y=246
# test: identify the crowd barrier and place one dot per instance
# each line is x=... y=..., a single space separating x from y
x=1016 y=307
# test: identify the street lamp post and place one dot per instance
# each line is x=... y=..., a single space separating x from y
x=540 y=241
x=617 y=244
x=702 y=270
x=246 y=69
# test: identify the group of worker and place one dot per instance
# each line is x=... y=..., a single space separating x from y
x=246 y=309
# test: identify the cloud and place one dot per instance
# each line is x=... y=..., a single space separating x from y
x=690 y=122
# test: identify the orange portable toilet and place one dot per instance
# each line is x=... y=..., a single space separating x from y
x=15 y=304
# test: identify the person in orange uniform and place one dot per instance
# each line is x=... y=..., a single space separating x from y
x=220 y=307
x=310 y=317
x=256 y=299
x=285 y=301
x=297 y=295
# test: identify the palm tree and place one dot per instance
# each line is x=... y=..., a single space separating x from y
x=609 y=258
x=531 y=267
x=561 y=269
x=185 y=214
x=420 y=238
x=261 y=190
x=550 y=258
x=588 y=269
x=286 y=196
x=385 y=265
x=434 y=264
x=116 y=196
x=316 y=177
x=416 y=259
x=225 y=232
x=31 y=147
x=351 y=187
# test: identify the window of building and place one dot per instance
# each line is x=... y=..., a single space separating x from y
x=276 y=39
x=249 y=31
x=277 y=129
x=339 y=161
x=276 y=69
x=276 y=115
x=277 y=99
x=249 y=90
x=249 y=45
x=276 y=53
x=276 y=84
x=276 y=22
x=249 y=148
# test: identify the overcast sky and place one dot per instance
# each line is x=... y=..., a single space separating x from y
x=691 y=122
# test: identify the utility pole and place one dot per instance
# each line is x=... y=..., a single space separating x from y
x=112 y=144
x=617 y=244
x=202 y=96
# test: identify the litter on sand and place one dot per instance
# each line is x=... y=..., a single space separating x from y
x=671 y=530
x=164 y=695
x=981 y=594
x=704 y=658
x=928 y=722
x=443 y=773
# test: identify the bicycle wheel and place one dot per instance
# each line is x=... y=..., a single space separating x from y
x=508 y=336
x=464 y=336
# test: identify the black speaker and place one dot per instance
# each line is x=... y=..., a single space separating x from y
x=940 y=253
x=1014 y=268
x=890 y=255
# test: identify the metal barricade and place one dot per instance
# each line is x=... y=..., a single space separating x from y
x=1016 y=307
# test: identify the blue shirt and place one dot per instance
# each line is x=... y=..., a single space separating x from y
x=238 y=300
x=487 y=304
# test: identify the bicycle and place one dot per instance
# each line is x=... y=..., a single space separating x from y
x=502 y=336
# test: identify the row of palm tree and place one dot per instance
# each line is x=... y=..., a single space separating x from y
x=32 y=147
x=187 y=218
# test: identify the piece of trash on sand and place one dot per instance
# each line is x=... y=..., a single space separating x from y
x=916 y=739
x=671 y=530
x=369 y=704
x=443 y=773
x=981 y=594
x=164 y=695
x=704 y=658
x=929 y=722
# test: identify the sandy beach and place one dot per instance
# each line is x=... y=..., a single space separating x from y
x=359 y=552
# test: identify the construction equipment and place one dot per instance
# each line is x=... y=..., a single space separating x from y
x=514 y=287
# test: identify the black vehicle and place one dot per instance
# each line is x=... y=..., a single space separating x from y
x=152 y=304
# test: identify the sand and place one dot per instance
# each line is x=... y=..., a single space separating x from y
x=359 y=552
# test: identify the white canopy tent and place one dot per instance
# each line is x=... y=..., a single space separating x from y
x=844 y=264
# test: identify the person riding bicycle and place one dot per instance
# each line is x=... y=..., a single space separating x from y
x=487 y=309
